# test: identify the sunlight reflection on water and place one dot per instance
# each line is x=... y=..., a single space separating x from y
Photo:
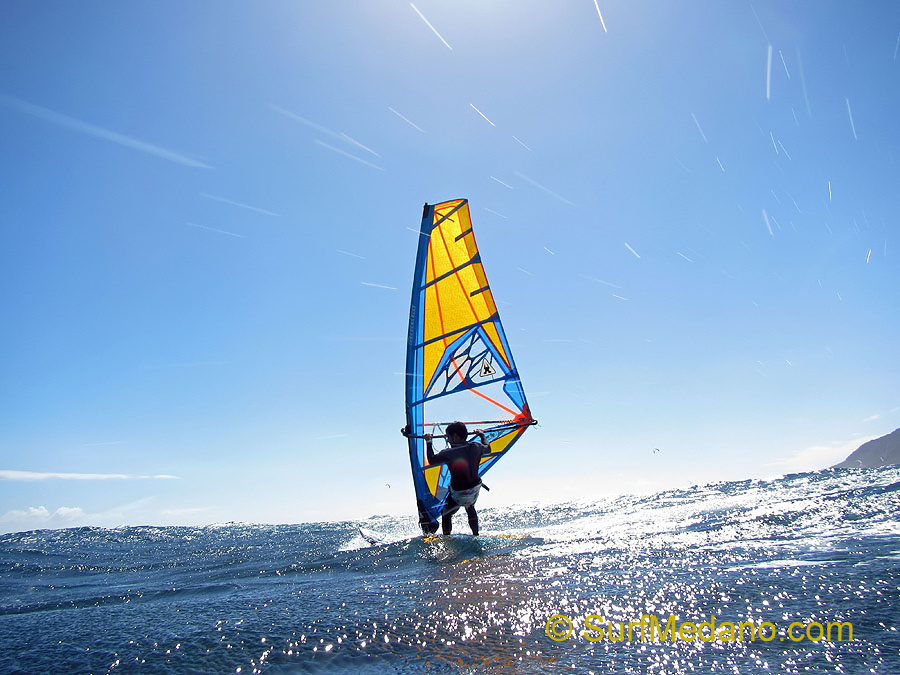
x=811 y=547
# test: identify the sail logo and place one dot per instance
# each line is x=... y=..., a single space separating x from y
x=486 y=369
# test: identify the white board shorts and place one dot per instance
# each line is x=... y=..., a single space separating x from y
x=466 y=497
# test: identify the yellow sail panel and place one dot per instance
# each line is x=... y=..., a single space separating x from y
x=432 y=473
x=500 y=444
x=456 y=292
x=481 y=281
x=439 y=257
x=432 y=357
x=456 y=209
x=447 y=248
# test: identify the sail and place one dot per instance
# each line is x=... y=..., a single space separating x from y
x=458 y=362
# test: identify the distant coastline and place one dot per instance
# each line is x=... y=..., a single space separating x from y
x=883 y=451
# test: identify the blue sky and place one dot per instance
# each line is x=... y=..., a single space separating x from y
x=687 y=212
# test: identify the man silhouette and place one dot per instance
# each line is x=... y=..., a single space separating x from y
x=462 y=459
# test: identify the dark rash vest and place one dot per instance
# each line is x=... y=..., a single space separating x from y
x=462 y=460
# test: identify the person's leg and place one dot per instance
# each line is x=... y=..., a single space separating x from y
x=450 y=507
x=425 y=522
x=473 y=519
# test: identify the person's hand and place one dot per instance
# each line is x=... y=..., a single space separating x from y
x=480 y=432
x=428 y=438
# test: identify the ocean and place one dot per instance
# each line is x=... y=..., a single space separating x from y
x=630 y=584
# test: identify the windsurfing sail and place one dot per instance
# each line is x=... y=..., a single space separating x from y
x=458 y=362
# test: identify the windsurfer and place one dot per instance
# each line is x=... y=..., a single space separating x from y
x=462 y=458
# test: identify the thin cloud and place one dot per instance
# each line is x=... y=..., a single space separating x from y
x=521 y=143
x=325 y=131
x=213 y=229
x=412 y=124
x=243 y=206
x=358 y=144
x=850 y=115
x=545 y=189
x=765 y=35
x=699 y=128
x=433 y=29
x=30 y=476
x=40 y=515
x=73 y=516
x=348 y=155
x=93 y=130
x=600 y=281
x=472 y=105
x=803 y=83
x=602 y=22
x=818 y=456
x=303 y=120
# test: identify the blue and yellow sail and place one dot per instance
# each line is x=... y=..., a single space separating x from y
x=458 y=362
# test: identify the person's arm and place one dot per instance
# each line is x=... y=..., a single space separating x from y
x=429 y=449
x=483 y=439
